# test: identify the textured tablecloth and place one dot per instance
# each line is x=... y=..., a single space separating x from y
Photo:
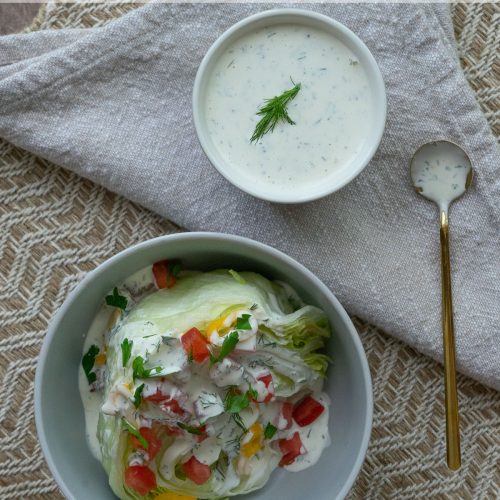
x=114 y=105
x=56 y=227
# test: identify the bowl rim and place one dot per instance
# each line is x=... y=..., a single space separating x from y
x=200 y=235
x=376 y=83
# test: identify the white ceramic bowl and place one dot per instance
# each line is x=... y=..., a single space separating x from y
x=59 y=412
x=334 y=181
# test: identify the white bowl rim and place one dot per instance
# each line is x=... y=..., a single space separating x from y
x=327 y=188
x=54 y=324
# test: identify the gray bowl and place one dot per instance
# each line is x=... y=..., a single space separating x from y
x=59 y=412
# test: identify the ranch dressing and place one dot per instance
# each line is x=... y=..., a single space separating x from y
x=134 y=287
x=440 y=172
x=92 y=400
x=333 y=110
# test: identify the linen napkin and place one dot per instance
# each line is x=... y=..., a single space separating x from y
x=114 y=105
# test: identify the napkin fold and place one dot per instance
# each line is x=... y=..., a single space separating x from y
x=114 y=105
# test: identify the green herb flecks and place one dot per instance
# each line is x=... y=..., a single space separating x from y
x=116 y=300
x=135 y=432
x=269 y=431
x=88 y=361
x=243 y=323
x=126 y=346
x=190 y=429
x=140 y=372
x=274 y=111
x=234 y=403
x=138 y=396
x=227 y=347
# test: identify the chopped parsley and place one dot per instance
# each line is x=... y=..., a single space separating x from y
x=126 y=351
x=269 y=431
x=252 y=393
x=140 y=372
x=227 y=347
x=179 y=472
x=234 y=402
x=243 y=323
x=138 y=396
x=88 y=361
x=175 y=268
x=135 y=432
x=116 y=300
x=190 y=429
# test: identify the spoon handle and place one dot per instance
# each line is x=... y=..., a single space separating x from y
x=451 y=400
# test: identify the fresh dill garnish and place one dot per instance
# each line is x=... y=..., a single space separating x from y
x=254 y=306
x=266 y=363
x=116 y=300
x=222 y=464
x=88 y=361
x=234 y=402
x=138 y=395
x=207 y=399
x=261 y=339
x=126 y=346
x=273 y=111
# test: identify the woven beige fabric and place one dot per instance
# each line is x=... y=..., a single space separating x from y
x=55 y=227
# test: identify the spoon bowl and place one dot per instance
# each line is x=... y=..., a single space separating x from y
x=441 y=172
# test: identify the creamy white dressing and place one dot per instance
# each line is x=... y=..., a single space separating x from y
x=440 y=170
x=92 y=400
x=333 y=111
x=199 y=391
x=315 y=437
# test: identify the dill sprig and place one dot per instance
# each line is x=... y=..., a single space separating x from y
x=274 y=111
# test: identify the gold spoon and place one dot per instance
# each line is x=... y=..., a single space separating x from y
x=441 y=172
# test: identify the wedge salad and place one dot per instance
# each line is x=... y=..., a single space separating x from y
x=197 y=385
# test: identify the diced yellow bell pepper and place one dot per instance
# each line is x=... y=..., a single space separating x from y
x=251 y=447
x=100 y=359
x=214 y=325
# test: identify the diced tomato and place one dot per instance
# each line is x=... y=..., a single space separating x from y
x=267 y=380
x=162 y=274
x=307 y=410
x=195 y=345
x=196 y=471
x=154 y=444
x=291 y=449
x=286 y=411
x=140 y=478
x=165 y=402
x=172 y=405
x=157 y=397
